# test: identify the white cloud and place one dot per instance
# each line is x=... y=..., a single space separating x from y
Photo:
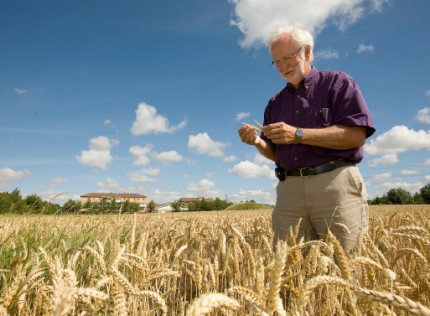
x=56 y=182
x=260 y=160
x=408 y=172
x=95 y=158
x=362 y=48
x=141 y=176
x=203 y=144
x=9 y=176
x=54 y=196
x=240 y=116
x=256 y=19
x=381 y=177
x=408 y=186
x=377 y=5
x=397 y=140
x=427 y=162
x=108 y=184
x=141 y=153
x=230 y=158
x=256 y=195
x=144 y=175
x=168 y=156
x=107 y=122
x=248 y=169
x=428 y=93
x=427 y=177
x=423 y=115
x=164 y=196
x=20 y=91
x=151 y=171
x=389 y=159
x=327 y=54
x=202 y=186
x=102 y=143
x=98 y=156
x=148 y=121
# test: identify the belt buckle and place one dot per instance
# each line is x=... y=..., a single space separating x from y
x=301 y=174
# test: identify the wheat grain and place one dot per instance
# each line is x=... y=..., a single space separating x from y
x=276 y=277
x=207 y=303
x=395 y=300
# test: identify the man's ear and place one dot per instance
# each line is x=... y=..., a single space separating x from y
x=307 y=52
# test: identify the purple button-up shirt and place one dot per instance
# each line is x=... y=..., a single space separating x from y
x=324 y=98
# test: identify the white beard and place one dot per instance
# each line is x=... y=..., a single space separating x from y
x=298 y=73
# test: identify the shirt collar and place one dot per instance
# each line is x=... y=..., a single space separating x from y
x=307 y=81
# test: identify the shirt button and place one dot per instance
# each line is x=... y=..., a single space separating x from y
x=295 y=158
x=297 y=111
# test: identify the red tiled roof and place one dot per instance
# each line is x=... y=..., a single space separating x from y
x=114 y=195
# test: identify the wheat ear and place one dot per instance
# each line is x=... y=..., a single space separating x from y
x=206 y=303
x=395 y=300
x=276 y=278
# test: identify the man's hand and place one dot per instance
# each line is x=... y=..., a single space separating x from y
x=249 y=135
x=280 y=133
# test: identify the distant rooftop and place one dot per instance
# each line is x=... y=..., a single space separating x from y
x=114 y=195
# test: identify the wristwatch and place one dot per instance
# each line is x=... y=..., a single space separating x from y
x=298 y=136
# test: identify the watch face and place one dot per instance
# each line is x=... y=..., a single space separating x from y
x=298 y=136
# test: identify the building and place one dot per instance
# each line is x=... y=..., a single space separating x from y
x=163 y=208
x=118 y=197
x=194 y=200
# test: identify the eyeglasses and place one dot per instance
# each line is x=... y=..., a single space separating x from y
x=285 y=60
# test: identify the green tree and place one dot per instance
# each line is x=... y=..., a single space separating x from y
x=113 y=207
x=380 y=200
x=418 y=198
x=176 y=206
x=151 y=206
x=71 y=206
x=125 y=206
x=425 y=194
x=12 y=202
x=50 y=208
x=134 y=207
x=35 y=203
x=399 y=196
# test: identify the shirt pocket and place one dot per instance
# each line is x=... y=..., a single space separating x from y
x=324 y=116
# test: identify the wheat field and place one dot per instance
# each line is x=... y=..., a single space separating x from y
x=212 y=263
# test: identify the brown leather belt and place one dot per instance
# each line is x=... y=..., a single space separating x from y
x=312 y=171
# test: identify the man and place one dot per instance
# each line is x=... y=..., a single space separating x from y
x=314 y=130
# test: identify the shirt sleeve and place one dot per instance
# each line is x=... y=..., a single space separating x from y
x=349 y=106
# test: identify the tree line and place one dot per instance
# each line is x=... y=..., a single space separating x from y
x=14 y=203
x=202 y=205
x=402 y=196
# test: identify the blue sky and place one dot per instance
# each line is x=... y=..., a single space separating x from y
x=147 y=96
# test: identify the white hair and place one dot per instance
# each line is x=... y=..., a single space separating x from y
x=300 y=35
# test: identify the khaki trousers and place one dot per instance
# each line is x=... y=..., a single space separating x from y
x=322 y=202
